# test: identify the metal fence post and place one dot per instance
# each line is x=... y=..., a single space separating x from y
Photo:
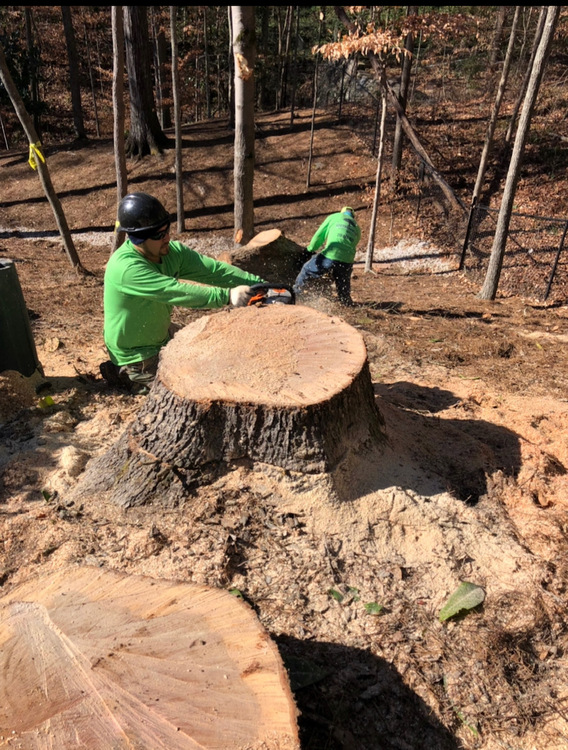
x=555 y=264
x=472 y=211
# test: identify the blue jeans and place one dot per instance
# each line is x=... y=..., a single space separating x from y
x=319 y=266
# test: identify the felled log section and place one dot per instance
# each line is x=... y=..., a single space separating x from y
x=99 y=659
x=270 y=255
x=282 y=385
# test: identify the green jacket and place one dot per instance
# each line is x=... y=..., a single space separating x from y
x=340 y=235
x=139 y=296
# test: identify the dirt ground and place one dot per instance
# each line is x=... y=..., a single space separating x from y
x=472 y=485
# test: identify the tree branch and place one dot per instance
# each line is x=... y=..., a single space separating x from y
x=379 y=69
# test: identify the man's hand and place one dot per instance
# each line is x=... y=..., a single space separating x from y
x=240 y=295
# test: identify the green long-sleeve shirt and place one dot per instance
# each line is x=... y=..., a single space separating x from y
x=139 y=296
x=339 y=234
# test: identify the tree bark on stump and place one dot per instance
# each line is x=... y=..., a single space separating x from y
x=100 y=659
x=270 y=255
x=282 y=385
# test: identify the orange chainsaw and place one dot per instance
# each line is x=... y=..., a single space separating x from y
x=269 y=294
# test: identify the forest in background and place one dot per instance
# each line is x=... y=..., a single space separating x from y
x=372 y=65
x=471 y=390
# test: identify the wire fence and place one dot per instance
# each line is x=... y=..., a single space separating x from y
x=534 y=264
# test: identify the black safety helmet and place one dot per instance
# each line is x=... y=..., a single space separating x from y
x=139 y=214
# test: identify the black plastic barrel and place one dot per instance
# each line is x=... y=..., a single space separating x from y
x=17 y=346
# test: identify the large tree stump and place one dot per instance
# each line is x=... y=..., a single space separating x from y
x=99 y=660
x=270 y=255
x=282 y=385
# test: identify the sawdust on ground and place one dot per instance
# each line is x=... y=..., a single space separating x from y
x=472 y=485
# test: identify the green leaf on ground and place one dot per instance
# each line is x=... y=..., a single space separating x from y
x=338 y=596
x=465 y=597
x=373 y=608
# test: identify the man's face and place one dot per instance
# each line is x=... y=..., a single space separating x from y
x=154 y=249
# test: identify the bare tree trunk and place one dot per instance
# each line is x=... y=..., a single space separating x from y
x=74 y=84
x=160 y=57
x=496 y=107
x=33 y=57
x=536 y=42
x=37 y=159
x=452 y=198
x=92 y=81
x=231 y=77
x=295 y=66
x=497 y=33
x=118 y=110
x=285 y=62
x=6 y=142
x=489 y=289
x=341 y=90
x=244 y=54
x=314 y=103
x=371 y=244
x=206 y=63
x=177 y=120
x=402 y=98
x=146 y=135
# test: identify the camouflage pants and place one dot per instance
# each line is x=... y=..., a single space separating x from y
x=139 y=376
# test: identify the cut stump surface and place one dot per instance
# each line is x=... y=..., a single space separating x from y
x=276 y=355
x=100 y=659
x=282 y=385
x=270 y=255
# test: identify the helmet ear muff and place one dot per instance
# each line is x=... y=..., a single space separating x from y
x=141 y=213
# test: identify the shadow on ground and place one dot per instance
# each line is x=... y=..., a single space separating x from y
x=350 y=699
x=462 y=452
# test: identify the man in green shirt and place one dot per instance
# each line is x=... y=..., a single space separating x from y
x=142 y=284
x=339 y=235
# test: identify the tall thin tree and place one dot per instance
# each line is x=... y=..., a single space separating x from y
x=146 y=135
x=295 y=66
x=496 y=107
x=371 y=243
x=497 y=34
x=491 y=283
x=118 y=109
x=244 y=48
x=177 y=120
x=314 y=100
x=160 y=64
x=38 y=161
x=403 y=99
x=92 y=80
x=74 y=82
x=206 y=74
x=231 y=69
x=34 y=64
x=523 y=90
